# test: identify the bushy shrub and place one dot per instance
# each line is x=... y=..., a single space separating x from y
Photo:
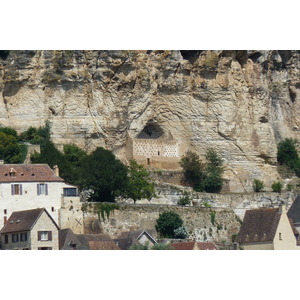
x=180 y=233
x=167 y=222
x=203 y=177
x=287 y=152
x=258 y=185
x=276 y=187
x=184 y=199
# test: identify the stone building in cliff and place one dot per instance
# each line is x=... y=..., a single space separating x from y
x=154 y=148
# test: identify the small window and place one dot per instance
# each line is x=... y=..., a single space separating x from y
x=44 y=248
x=5 y=211
x=70 y=192
x=16 y=189
x=42 y=189
x=45 y=235
x=15 y=237
x=6 y=239
x=23 y=236
x=280 y=237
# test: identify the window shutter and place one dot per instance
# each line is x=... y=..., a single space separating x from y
x=49 y=235
x=39 y=235
x=46 y=189
x=38 y=189
x=12 y=189
x=20 y=189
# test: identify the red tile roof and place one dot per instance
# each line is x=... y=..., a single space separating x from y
x=191 y=245
x=27 y=173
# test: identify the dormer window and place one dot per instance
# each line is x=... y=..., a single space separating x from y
x=12 y=172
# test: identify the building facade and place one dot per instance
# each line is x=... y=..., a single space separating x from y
x=24 y=187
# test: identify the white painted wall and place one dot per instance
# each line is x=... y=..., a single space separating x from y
x=30 y=199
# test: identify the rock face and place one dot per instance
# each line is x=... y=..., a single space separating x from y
x=241 y=103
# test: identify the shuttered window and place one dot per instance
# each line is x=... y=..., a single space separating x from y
x=16 y=189
x=15 y=237
x=42 y=189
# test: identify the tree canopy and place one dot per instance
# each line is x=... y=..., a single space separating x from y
x=104 y=174
x=139 y=185
x=168 y=222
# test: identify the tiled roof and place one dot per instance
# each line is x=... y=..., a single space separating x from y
x=207 y=246
x=103 y=245
x=194 y=245
x=259 y=225
x=294 y=211
x=23 y=220
x=128 y=238
x=27 y=173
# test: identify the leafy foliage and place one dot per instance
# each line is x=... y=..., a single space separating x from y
x=104 y=174
x=35 y=135
x=276 y=187
x=104 y=209
x=10 y=151
x=287 y=152
x=203 y=177
x=139 y=184
x=181 y=233
x=184 y=199
x=258 y=185
x=167 y=223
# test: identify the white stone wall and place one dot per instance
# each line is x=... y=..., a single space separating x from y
x=30 y=199
x=150 y=147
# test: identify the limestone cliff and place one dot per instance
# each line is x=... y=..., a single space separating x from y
x=239 y=102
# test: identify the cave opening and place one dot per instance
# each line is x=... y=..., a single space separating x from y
x=4 y=54
x=190 y=55
x=151 y=131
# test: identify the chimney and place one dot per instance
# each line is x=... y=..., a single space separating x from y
x=56 y=170
x=282 y=209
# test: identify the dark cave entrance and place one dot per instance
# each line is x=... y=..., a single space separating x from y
x=151 y=131
x=190 y=55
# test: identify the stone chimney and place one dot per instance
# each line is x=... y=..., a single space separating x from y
x=56 y=170
x=282 y=208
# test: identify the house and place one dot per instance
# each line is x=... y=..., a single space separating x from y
x=194 y=246
x=32 y=229
x=70 y=241
x=25 y=186
x=294 y=213
x=126 y=239
x=267 y=229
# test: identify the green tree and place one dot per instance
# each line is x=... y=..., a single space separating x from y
x=140 y=185
x=193 y=170
x=167 y=223
x=287 y=152
x=10 y=150
x=104 y=174
x=258 y=185
x=203 y=177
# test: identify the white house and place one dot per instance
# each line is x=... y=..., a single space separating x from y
x=30 y=186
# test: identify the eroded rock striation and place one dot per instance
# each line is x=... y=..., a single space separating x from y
x=241 y=103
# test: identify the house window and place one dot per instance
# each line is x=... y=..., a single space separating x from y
x=45 y=235
x=5 y=211
x=42 y=189
x=15 y=237
x=23 y=236
x=280 y=237
x=16 y=189
x=70 y=192
x=6 y=239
